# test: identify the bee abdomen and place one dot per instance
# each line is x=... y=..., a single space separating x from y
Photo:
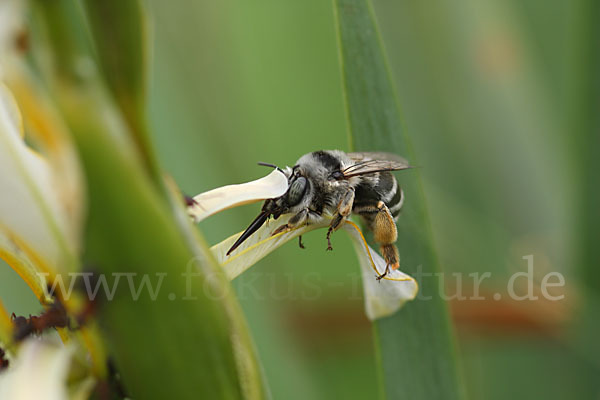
x=395 y=203
x=380 y=187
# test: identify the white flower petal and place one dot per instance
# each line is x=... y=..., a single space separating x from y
x=7 y=102
x=39 y=372
x=208 y=203
x=258 y=245
x=386 y=296
x=37 y=230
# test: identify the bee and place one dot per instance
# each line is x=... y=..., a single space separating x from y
x=334 y=184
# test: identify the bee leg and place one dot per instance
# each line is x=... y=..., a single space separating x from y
x=385 y=233
x=335 y=224
x=329 y=231
x=293 y=222
x=387 y=270
x=390 y=254
x=300 y=242
x=344 y=209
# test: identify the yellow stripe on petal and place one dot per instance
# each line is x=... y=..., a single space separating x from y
x=260 y=244
x=26 y=263
x=5 y=326
x=386 y=296
x=369 y=253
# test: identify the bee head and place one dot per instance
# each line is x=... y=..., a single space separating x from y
x=313 y=173
x=296 y=193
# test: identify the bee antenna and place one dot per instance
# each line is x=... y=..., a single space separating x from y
x=264 y=164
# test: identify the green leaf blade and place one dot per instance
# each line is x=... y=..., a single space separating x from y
x=361 y=55
x=415 y=346
x=122 y=52
x=179 y=335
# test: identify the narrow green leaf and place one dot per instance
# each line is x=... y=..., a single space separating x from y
x=120 y=34
x=415 y=346
x=172 y=346
x=586 y=144
x=586 y=141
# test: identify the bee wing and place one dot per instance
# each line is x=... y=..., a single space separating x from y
x=273 y=185
x=372 y=162
x=376 y=155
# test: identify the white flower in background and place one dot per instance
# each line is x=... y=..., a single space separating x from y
x=41 y=212
x=382 y=298
x=42 y=202
x=41 y=207
x=39 y=372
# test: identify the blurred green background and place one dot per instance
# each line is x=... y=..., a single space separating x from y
x=494 y=96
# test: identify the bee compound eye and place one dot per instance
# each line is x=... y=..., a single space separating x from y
x=337 y=175
x=296 y=191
